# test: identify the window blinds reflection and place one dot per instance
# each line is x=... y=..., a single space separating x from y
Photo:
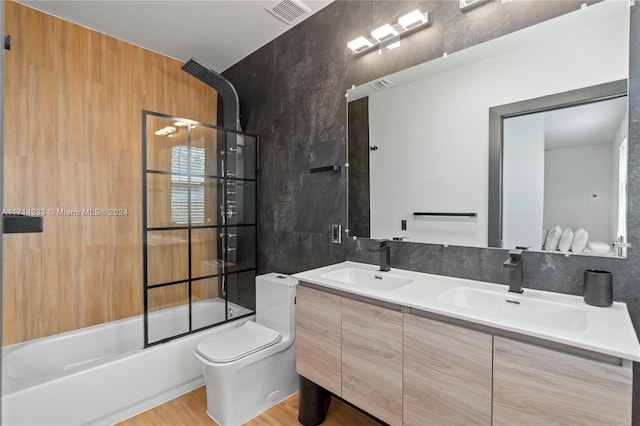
x=187 y=161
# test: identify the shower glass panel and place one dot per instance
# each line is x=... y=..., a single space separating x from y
x=241 y=293
x=209 y=306
x=158 y=194
x=241 y=156
x=205 y=256
x=200 y=232
x=167 y=256
x=240 y=198
x=168 y=316
x=209 y=141
x=243 y=239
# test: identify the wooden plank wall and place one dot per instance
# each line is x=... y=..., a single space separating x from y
x=73 y=141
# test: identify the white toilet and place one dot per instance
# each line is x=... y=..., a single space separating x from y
x=252 y=367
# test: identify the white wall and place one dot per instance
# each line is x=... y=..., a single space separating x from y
x=572 y=177
x=523 y=181
x=432 y=134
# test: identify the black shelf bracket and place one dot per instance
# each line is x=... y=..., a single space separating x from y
x=334 y=168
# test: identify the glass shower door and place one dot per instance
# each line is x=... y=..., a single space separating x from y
x=200 y=232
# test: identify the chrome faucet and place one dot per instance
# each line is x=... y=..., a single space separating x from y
x=514 y=263
x=385 y=254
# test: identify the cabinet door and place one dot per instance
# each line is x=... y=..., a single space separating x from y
x=318 y=345
x=372 y=359
x=447 y=374
x=534 y=385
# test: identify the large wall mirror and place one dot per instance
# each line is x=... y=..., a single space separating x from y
x=422 y=167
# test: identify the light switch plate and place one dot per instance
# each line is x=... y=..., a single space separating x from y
x=336 y=234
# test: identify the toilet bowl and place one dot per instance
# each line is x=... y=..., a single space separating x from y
x=252 y=367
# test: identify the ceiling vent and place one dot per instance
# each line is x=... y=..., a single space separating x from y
x=289 y=10
x=380 y=84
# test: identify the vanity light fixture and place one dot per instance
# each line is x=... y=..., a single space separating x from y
x=388 y=36
x=412 y=20
x=384 y=33
x=466 y=4
x=359 y=45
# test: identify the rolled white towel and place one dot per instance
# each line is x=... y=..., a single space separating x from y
x=553 y=238
x=599 y=247
x=544 y=238
x=579 y=240
x=565 y=240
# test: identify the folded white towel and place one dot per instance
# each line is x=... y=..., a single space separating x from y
x=595 y=253
x=565 y=240
x=553 y=238
x=544 y=238
x=599 y=246
x=579 y=240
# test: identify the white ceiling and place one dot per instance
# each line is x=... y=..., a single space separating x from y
x=592 y=124
x=218 y=33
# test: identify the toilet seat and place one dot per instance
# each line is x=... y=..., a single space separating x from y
x=234 y=344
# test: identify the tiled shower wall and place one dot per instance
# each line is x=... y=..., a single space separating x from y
x=292 y=93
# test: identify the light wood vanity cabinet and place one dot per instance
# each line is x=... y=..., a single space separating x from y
x=372 y=359
x=447 y=374
x=411 y=370
x=533 y=385
x=319 y=338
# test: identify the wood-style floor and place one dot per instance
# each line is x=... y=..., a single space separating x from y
x=190 y=409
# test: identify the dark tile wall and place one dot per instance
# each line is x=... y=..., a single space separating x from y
x=292 y=94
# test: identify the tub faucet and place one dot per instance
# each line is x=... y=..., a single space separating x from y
x=385 y=254
x=514 y=263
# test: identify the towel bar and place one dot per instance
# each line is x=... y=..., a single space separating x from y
x=334 y=168
x=445 y=214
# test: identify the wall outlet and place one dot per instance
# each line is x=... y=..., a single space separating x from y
x=403 y=225
x=336 y=234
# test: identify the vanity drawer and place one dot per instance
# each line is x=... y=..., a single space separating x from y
x=372 y=359
x=318 y=338
x=447 y=374
x=536 y=385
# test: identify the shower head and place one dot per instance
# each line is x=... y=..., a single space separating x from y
x=225 y=90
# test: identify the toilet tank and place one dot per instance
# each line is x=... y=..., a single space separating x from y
x=275 y=296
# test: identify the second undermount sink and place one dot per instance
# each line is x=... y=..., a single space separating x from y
x=373 y=280
x=516 y=308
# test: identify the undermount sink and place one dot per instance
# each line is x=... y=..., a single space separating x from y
x=373 y=280
x=516 y=307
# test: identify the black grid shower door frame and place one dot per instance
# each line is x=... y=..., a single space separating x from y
x=222 y=177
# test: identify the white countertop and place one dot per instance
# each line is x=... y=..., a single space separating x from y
x=607 y=330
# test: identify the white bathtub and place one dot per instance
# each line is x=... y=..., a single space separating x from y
x=101 y=374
